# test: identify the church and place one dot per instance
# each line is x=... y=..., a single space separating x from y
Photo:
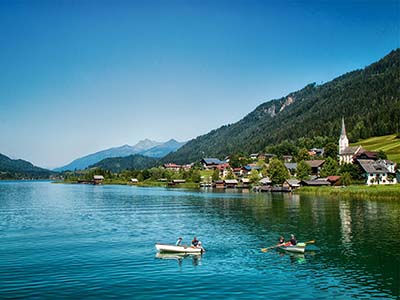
x=346 y=153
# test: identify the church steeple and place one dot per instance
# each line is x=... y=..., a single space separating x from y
x=343 y=140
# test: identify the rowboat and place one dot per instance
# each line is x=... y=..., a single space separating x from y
x=179 y=249
x=299 y=248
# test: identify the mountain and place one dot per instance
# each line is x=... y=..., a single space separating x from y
x=145 y=147
x=18 y=168
x=368 y=99
x=163 y=149
x=118 y=164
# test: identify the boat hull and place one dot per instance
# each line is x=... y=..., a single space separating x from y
x=294 y=249
x=178 y=249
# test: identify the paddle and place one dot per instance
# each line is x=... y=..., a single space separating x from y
x=280 y=245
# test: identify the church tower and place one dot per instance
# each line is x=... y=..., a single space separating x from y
x=343 y=140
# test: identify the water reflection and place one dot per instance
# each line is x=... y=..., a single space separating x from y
x=180 y=257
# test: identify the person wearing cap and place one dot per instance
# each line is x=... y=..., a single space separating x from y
x=293 y=240
x=178 y=242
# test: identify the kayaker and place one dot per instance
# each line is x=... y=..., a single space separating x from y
x=178 y=242
x=293 y=240
x=281 y=240
x=195 y=242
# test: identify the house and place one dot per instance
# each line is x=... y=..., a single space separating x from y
x=346 y=153
x=98 y=179
x=254 y=156
x=223 y=169
x=316 y=165
x=211 y=163
x=134 y=181
x=291 y=168
x=265 y=156
x=176 y=182
x=377 y=172
x=172 y=167
x=265 y=181
x=244 y=181
x=219 y=184
x=364 y=154
x=287 y=158
x=316 y=152
x=291 y=184
x=230 y=183
x=248 y=168
x=238 y=171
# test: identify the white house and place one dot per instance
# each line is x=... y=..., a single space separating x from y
x=376 y=172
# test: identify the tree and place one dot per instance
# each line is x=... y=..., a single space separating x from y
x=254 y=176
x=345 y=179
x=382 y=155
x=230 y=174
x=331 y=150
x=303 y=170
x=215 y=175
x=303 y=154
x=277 y=171
x=329 y=168
x=196 y=177
x=354 y=171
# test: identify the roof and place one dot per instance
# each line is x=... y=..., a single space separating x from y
x=98 y=177
x=265 y=180
x=368 y=154
x=222 y=166
x=333 y=178
x=134 y=180
x=315 y=182
x=371 y=166
x=293 y=182
x=315 y=163
x=252 y=167
x=291 y=166
x=212 y=161
x=245 y=180
x=231 y=181
x=170 y=165
x=351 y=150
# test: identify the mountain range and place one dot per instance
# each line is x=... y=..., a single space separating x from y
x=19 y=168
x=368 y=99
x=145 y=147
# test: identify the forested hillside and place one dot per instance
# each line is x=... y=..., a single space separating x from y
x=368 y=99
x=18 y=169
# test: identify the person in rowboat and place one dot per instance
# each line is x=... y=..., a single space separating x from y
x=195 y=242
x=178 y=242
x=281 y=240
x=293 y=240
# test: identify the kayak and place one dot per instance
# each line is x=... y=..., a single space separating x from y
x=179 y=249
x=299 y=248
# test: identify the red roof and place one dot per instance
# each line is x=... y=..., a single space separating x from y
x=333 y=178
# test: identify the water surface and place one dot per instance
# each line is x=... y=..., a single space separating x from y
x=97 y=242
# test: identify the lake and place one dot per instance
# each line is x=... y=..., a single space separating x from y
x=63 y=241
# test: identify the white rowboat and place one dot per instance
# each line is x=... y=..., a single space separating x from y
x=179 y=249
x=299 y=248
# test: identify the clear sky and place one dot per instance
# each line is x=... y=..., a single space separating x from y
x=81 y=76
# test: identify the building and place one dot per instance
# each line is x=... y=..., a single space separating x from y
x=291 y=184
x=378 y=172
x=172 y=167
x=346 y=153
x=316 y=165
x=211 y=163
x=98 y=179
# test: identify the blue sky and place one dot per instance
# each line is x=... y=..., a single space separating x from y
x=82 y=76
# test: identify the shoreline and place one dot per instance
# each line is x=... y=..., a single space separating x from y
x=354 y=191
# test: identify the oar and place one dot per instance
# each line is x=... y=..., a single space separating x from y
x=280 y=245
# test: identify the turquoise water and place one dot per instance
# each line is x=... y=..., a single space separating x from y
x=97 y=242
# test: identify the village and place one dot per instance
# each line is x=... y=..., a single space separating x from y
x=266 y=172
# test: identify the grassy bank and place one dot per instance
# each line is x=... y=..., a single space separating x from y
x=355 y=191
